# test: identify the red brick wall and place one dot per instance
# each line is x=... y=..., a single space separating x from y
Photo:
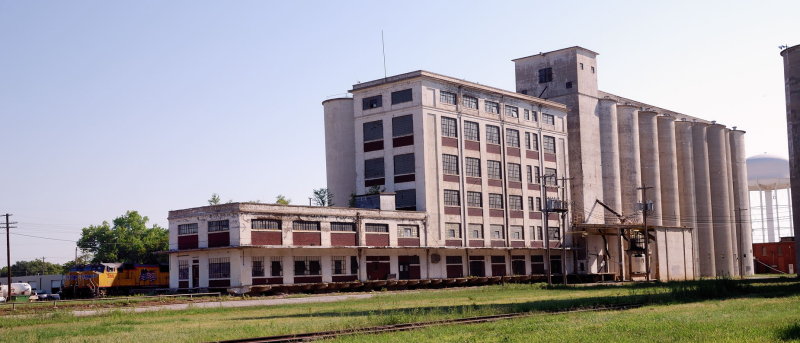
x=474 y=211
x=453 y=243
x=342 y=239
x=455 y=271
x=512 y=151
x=493 y=148
x=219 y=283
x=450 y=178
x=768 y=253
x=219 y=239
x=532 y=154
x=452 y=210
x=498 y=243
x=517 y=244
x=475 y=243
x=266 y=237
x=306 y=238
x=408 y=242
x=449 y=141
x=496 y=213
x=516 y=214
x=471 y=145
x=307 y=279
x=549 y=157
x=187 y=242
x=377 y=239
x=495 y=183
x=343 y=278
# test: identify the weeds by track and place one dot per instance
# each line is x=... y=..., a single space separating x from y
x=312 y=336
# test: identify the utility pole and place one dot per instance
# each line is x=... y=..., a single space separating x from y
x=557 y=205
x=8 y=250
x=645 y=209
x=564 y=208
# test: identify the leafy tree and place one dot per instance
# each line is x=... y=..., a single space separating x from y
x=83 y=259
x=35 y=267
x=127 y=240
x=214 y=200
x=282 y=200
x=323 y=197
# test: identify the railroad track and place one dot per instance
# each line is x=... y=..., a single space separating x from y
x=312 y=336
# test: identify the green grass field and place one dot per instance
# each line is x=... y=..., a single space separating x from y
x=742 y=310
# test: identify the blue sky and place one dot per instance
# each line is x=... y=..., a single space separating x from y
x=154 y=105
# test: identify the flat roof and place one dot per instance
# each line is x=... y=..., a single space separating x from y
x=250 y=207
x=453 y=80
x=549 y=52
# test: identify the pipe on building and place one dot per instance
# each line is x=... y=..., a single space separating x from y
x=668 y=162
x=648 y=152
x=686 y=188
x=609 y=157
x=629 y=166
x=742 y=202
x=720 y=203
x=702 y=191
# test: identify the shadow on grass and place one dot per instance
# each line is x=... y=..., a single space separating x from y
x=651 y=294
x=790 y=332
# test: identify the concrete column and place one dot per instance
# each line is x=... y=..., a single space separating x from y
x=340 y=149
x=648 y=154
x=702 y=190
x=791 y=74
x=732 y=215
x=770 y=208
x=686 y=188
x=668 y=162
x=629 y=166
x=720 y=204
x=609 y=157
x=742 y=202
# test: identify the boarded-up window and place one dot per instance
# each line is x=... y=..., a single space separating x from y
x=402 y=126
x=373 y=130
x=453 y=230
x=404 y=164
x=402 y=96
x=406 y=199
x=373 y=168
x=218 y=225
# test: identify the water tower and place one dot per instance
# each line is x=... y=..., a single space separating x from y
x=770 y=198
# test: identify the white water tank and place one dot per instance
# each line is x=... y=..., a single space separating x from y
x=767 y=172
x=17 y=288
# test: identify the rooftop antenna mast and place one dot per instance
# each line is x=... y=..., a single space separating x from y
x=383 y=47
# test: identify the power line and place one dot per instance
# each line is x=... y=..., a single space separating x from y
x=50 y=238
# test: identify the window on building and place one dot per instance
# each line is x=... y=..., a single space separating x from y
x=373 y=130
x=492 y=107
x=538 y=204
x=495 y=200
x=371 y=102
x=343 y=227
x=447 y=97
x=534 y=116
x=218 y=225
x=304 y=225
x=453 y=230
x=592 y=70
x=406 y=199
x=307 y=265
x=537 y=264
x=402 y=126
x=549 y=144
x=545 y=75
x=404 y=164
x=265 y=224
x=451 y=198
x=512 y=111
x=581 y=64
x=408 y=231
x=450 y=164
x=555 y=233
x=527 y=115
x=373 y=168
x=492 y=134
x=402 y=96
x=531 y=204
x=528 y=140
x=529 y=173
x=474 y=199
x=374 y=227
x=534 y=142
x=470 y=102
x=187 y=229
x=257 y=266
x=536 y=233
x=497 y=232
x=569 y=84
x=472 y=166
x=551 y=177
x=512 y=138
x=515 y=202
x=471 y=131
x=476 y=231
x=183 y=269
x=276 y=266
x=548 y=119
x=219 y=268
x=537 y=175
x=514 y=172
x=493 y=169
x=515 y=232
x=339 y=265
x=449 y=127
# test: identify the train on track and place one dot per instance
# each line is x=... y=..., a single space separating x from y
x=98 y=280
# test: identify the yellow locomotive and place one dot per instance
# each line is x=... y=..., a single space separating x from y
x=114 y=278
